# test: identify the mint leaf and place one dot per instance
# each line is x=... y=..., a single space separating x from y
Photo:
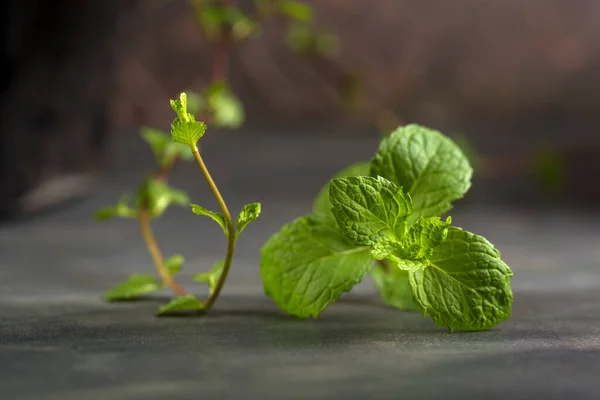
x=165 y=150
x=296 y=10
x=466 y=285
x=185 y=129
x=322 y=203
x=427 y=164
x=426 y=234
x=158 y=196
x=211 y=277
x=412 y=252
x=121 y=209
x=180 y=108
x=248 y=214
x=394 y=287
x=182 y=303
x=226 y=110
x=134 y=286
x=369 y=210
x=174 y=263
x=407 y=259
x=309 y=264
x=218 y=217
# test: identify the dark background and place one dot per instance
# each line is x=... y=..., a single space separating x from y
x=518 y=80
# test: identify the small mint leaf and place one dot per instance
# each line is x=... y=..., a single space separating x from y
x=248 y=214
x=134 y=286
x=180 y=107
x=466 y=285
x=218 y=217
x=121 y=209
x=394 y=287
x=158 y=196
x=164 y=149
x=211 y=277
x=309 y=264
x=157 y=140
x=182 y=303
x=322 y=203
x=416 y=246
x=369 y=210
x=296 y=10
x=105 y=213
x=404 y=258
x=226 y=109
x=426 y=234
x=427 y=164
x=174 y=263
x=185 y=129
x=187 y=132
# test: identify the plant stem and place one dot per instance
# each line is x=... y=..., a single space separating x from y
x=156 y=254
x=230 y=229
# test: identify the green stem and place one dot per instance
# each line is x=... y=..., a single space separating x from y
x=157 y=257
x=230 y=229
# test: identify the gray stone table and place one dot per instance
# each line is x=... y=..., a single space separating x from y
x=59 y=340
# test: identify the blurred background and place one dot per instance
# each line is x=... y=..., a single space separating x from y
x=516 y=83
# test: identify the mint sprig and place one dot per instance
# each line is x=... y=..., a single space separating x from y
x=392 y=217
x=186 y=130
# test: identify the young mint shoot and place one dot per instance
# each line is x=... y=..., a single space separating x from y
x=153 y=197
x=384 y=217
x=187 y=131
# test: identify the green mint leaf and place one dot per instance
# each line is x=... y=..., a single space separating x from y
x=426 y=234
x=407 y=259
x=134 y=286
x=105 y=213
x=185 y=129
x=369 y=210
x=296 y=10
x=243 y=26
x=309 y=264
x=427 y=164
x=182 y=303
x=180 y=107
x=394 y=287
x=121 y=209
x=418 y=243
x=211 y=277
x=174 y=263
x=158 y=196
x=218 y=217
x=164 y=149
x=248 y=214
x=322 y=203
x=157 y=140
x=226 y=109
x=416 y=246
x=187 y=132
x=466 y=285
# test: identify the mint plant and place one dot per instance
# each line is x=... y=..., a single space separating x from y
x=383 y=218
x=154 y=196
x=187 y=131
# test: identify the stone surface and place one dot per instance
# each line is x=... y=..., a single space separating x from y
x=59 y=340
